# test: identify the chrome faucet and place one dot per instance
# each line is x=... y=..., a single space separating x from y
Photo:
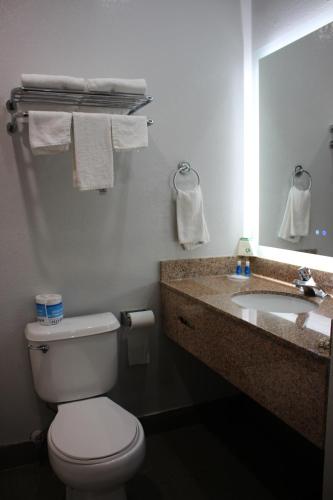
x=307 y=284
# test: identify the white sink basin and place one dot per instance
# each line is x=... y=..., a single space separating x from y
x=273 y=302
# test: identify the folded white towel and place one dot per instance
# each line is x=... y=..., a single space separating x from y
x=60 y=82
x=93 y=166
x=129 y=132
x=191 y=222
x=49 y=131
x=296 y=219
x=126 y=85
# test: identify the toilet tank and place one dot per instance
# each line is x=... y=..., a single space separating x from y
x=75 y=359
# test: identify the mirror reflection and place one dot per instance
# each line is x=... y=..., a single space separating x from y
x=295 y=119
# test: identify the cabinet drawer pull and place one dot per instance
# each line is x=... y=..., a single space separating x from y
x=185 y=322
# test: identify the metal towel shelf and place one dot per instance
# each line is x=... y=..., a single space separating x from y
x=113 y=100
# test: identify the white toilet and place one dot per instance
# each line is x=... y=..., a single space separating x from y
x=94 y=445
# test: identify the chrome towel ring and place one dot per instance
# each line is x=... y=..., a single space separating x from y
x=299 y=170
x=184 y=168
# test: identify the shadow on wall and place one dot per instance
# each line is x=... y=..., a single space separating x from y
x=67 y=226
x=179 y=378
x=200 y=382
x=184 y=379
x=84 y=233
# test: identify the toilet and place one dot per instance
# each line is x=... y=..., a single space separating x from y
x=94 y=445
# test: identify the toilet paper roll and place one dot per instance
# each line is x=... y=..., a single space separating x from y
x=139 y=319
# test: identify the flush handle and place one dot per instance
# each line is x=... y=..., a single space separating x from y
x=185 y=322
x=43 y=347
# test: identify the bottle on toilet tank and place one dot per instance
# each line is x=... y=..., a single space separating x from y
x=49 y=308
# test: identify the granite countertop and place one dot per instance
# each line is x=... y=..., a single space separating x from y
x=304 y=331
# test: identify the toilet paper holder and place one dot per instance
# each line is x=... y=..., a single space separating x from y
x=125 y=319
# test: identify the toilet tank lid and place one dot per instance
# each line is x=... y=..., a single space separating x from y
x=69 y=328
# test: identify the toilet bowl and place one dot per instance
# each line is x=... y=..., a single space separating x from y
x=94 y=447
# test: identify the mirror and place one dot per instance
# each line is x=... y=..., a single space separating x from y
x=296 y=168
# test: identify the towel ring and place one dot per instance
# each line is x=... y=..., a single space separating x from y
x=184 y=168
x=299 y=170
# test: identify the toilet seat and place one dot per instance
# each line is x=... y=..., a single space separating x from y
x=92 y=431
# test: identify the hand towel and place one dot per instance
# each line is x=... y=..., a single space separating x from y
x=129 y=132
x=191 y=222
x=296 y=219
x=126 y=85
x=60 y=82
x=49 y=131
x=93 y=165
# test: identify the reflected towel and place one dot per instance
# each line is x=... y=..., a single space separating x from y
x=49 y=131
x=191 y=222
x=296 y=219
x=93 y=165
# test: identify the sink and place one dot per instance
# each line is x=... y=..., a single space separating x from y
x=274 y=302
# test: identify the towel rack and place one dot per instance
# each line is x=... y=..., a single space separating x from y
x=12 y=125
x=184 y=168
x=299 y=170
x=115 y=100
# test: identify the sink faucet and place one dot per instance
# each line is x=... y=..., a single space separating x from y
x=307 y=284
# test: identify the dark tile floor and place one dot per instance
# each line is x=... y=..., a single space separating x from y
x=232 y=450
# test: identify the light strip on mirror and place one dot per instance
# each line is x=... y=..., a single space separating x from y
x=320 y=262
x=250 y=178
x=251 y=144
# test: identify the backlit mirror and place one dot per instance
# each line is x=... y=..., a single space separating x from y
x=296 y=168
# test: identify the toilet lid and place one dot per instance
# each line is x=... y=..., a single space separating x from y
x=92 y=429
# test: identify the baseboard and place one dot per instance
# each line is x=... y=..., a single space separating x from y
x=14 y=455
x=184 y=416
x=222 y=413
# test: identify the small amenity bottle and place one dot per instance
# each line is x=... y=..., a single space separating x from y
x=247 y=271
x=239 y=267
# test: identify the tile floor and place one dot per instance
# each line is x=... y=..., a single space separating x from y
x=231 y=450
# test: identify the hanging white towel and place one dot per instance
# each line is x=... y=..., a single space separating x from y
x=126 y=85
x=191 y=222
x=296 y=219
x=129 y=132
x=93 y=165
x=49 y=131
x=60 y=82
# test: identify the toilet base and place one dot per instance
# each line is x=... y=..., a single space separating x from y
x=118 y=494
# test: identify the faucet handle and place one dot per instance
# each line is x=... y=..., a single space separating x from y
x=304 y=273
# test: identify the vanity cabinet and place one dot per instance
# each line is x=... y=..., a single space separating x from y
x=285 y=379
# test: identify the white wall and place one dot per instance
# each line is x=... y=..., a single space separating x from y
x=102 y=252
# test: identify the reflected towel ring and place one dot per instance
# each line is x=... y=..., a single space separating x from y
x=184 y=168
x=299 y=170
